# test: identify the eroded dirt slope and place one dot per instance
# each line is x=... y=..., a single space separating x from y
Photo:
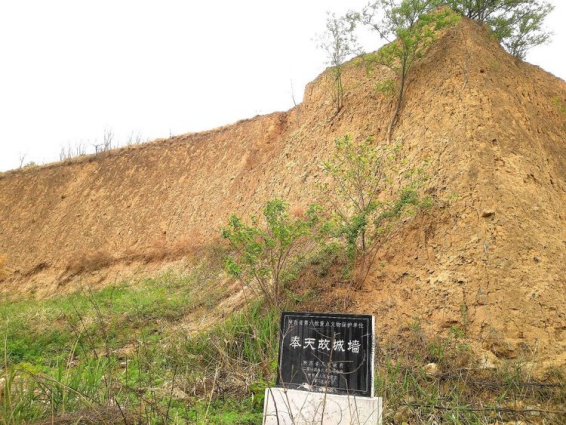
x=489 y=257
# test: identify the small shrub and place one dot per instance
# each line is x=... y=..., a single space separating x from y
x=267 y=254
x=364 y=199
x=560 y=104
x=362 y=173
x=358 y=170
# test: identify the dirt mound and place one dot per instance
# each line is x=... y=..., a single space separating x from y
x=489 y=258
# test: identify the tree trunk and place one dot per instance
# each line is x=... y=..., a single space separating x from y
x=395 y=117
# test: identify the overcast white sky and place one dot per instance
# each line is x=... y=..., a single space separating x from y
x=70 y=69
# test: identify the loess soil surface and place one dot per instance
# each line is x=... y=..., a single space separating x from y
x=489 y=257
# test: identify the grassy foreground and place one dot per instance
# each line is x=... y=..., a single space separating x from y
x=128 y=354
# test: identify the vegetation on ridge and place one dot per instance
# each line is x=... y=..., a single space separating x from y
x=409 y=27
x=517 y=24
x=339 y=43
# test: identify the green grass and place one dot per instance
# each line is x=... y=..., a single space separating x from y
x=121 y=352
x=44 y=332
x=125 y=346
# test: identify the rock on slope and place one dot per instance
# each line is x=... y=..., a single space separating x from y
x=489 y=258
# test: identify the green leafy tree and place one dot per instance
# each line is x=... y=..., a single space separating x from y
x=358 y=173
x=267 y=253
x=518 y=24
x=365 y=199
x=409 y=27
x=340 y=43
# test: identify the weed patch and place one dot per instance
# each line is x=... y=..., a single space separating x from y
x=119 y=355
x=438 y=380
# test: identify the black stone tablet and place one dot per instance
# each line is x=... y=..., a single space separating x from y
x=327 y=352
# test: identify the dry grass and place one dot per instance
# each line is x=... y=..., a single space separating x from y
x=3 y=267
x=298 y=211
x=94 y=416
x=90 y=262
x=427 y=379
x=193 y=247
